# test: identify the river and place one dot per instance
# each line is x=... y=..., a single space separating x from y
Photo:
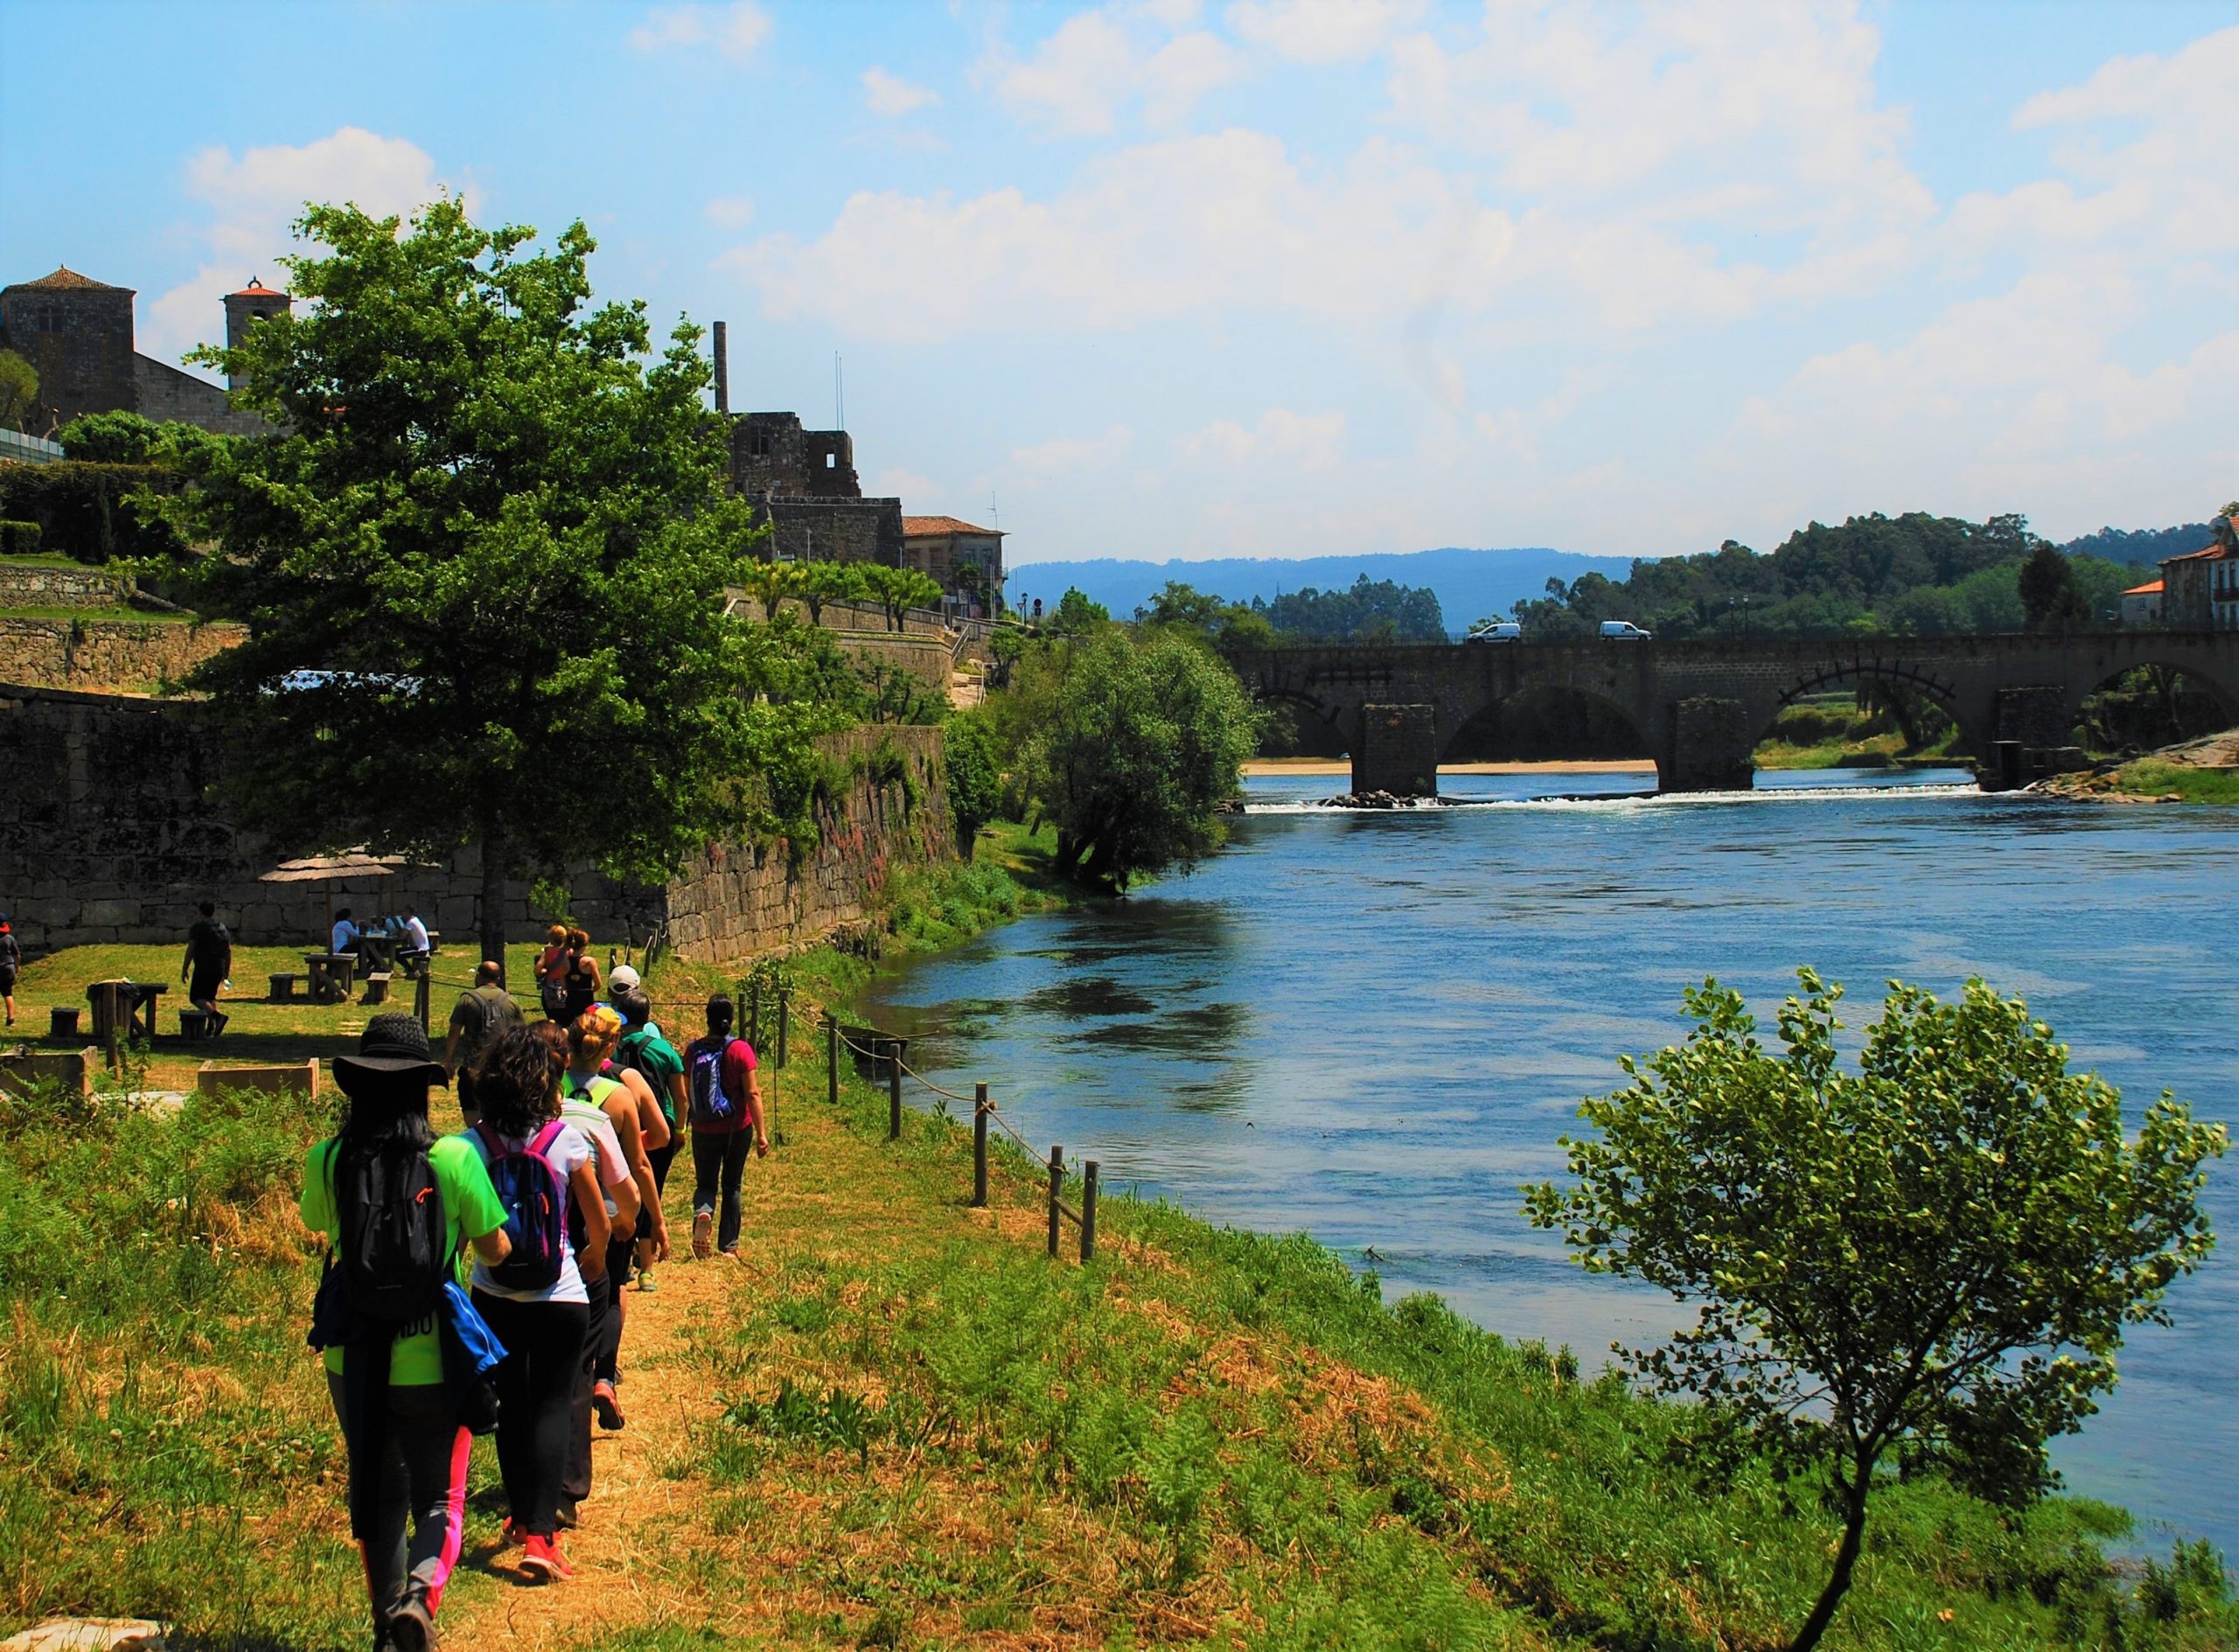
x=1373 y=1026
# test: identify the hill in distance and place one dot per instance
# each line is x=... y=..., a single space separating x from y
x=1469 y=583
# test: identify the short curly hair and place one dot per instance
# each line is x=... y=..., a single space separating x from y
x=517 y=1087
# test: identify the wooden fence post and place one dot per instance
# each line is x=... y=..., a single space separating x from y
x=108 y=1011
x=1088 y=1211
x=754 y=1016
x=978 y=1147
x=831 y=1058
x=1056 y=1191
x=784 y=1020
x=886 y=1048
x=422 y=990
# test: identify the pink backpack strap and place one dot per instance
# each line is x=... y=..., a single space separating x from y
x=546 y=1137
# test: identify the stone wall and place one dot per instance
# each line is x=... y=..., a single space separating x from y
x=834 y=530
x=108 y=833
x=42 y=585
x=730 y=902
x=165 y=394
x=108 y=653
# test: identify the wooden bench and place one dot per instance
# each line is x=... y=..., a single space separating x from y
x=376 y=987
x=283 y=987
x=197 y=1026
x=331 y=975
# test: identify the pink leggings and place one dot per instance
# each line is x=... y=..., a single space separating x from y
x=424 y=1478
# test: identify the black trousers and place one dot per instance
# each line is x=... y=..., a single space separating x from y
x=576 y=1477
x=422 y=1480
x=544 y=1351
x=720 y=1158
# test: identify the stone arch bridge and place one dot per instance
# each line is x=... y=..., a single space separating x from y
x=1702 y=705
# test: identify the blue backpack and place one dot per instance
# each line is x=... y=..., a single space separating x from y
x=534 y=1195
x=711 y=1103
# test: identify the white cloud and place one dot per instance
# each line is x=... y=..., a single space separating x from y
x=253 y=197
x=891 y=95
x=906 y=485
x=1077 y=81
x=1044 y=462
x=1282 y=440
x=736 y=31
x=1322 y=30
x=731 y=211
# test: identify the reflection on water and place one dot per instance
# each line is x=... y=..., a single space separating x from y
x=1373 y=1026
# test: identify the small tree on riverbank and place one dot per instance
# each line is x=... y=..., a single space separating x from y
x=483 y=565
x=1133 y=745
x=1932 y=1258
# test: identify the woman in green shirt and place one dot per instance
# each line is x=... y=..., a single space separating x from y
x=418 y=1448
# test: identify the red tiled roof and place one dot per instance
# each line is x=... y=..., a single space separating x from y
x=2151 y=588
x=2206 y=554
x=916 y=526
x=256 y=289
x=66 y=280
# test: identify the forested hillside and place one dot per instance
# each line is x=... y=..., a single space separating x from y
x=1912 y=575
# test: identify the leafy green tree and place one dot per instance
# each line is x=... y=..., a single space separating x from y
x=117 y=437
x=1372 y=611
x=770 y=584
x=1933 y=1256
x=975 y=777
x=897 y=589
x=822 y=582
x=1076 y=616
x=483 y=565
x=2046 y=585
x=18 y=391
x=1134 y=744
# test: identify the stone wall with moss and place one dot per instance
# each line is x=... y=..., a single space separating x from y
x=90 y=652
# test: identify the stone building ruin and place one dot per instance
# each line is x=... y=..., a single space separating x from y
x=77 y=333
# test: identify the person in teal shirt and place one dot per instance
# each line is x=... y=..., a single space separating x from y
x=420 y=1447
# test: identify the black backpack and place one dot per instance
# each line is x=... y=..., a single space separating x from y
x=392 y=1254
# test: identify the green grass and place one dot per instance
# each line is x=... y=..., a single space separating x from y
x=44 y=559
x=1827 y=732
x=2153 y=778
x=901 y=1425
x=110 y=614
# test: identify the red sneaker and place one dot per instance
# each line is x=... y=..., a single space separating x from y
x=541 y=1558
x=607 y=1404
x=509 y=1535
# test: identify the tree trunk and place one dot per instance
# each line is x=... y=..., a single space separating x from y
x=492 y=915
x=1845 y=1557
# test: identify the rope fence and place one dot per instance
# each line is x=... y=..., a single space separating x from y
x=885 y=1051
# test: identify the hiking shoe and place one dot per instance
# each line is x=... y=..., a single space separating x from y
x=541 y=1558
x=645 y=1279
x=509 y=1535
x=703 y=1233
x=412 y=1629
x=607 y=1404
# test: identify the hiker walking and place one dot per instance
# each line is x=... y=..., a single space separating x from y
x=477 y=1019
x=552 y=974
x=726 y=1105
x=396 y=1204
x=537 y=1298
x=208 y=964
x=581 y=977
x=644 y=1051
x=12 y=962
x=600 y=1108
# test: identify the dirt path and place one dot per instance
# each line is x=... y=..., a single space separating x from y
x=640 y=1511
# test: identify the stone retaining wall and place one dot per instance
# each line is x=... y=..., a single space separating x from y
x=108 y=832
x=93 y=653
x=44 y=585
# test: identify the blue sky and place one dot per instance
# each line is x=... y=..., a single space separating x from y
x=1273 y=277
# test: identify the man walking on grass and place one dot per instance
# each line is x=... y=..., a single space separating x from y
x=208 y=963
x=477 y=1019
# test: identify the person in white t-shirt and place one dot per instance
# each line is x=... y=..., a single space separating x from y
x=543 y=1326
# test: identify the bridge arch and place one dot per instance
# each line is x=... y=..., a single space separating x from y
x=1333 y=718
x=1471 y=728
x=2222 y=692
x=1973 y=721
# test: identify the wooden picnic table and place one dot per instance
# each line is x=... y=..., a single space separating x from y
x=331 y=973
x=378 y=953
x=136 y=1003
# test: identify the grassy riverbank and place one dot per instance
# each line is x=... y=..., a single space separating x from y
x=2204 y=770
x=900 y=1424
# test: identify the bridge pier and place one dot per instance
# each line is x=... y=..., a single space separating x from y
x=1396 y=750
x=1711 y=747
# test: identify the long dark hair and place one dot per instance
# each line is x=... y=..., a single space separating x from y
x=385 y=1109
x=514 y=1089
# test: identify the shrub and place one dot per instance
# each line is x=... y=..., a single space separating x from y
x=18 y=538
x=87 y=510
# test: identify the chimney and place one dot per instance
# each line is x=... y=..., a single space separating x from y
x=723 y=368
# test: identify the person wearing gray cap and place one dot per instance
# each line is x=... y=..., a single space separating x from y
x=397 y=1205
